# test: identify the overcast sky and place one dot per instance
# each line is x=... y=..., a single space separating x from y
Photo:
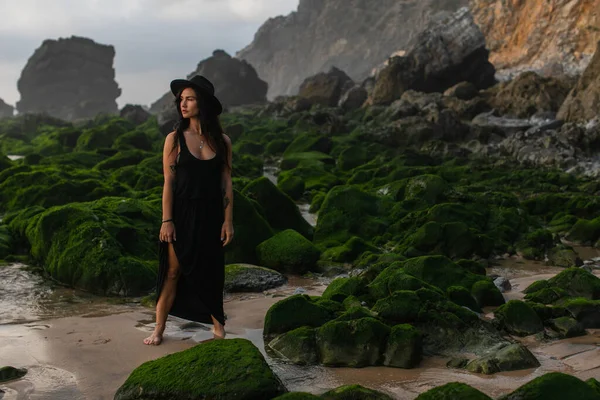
x=155 y=40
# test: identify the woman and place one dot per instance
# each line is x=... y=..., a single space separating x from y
x=197 y=211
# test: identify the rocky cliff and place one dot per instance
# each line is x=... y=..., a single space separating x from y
x=550 y=36
x=69 y=79
x=6 y=110
x=352 y=35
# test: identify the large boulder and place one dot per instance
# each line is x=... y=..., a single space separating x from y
x=134 y=114
x=510 y=358
x=221 y=369
x=453 y=391
x=553 y=386
x=251 y=278
x=70 y=79
x=583 y=101
x=325 y=89
x=518 y=318
x=289 y=252
x=6 y=110
x=354 y=392
x=448 y=52
x=294 y=312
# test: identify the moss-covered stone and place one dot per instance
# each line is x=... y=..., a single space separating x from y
x=223 y=369
x=577 y=282
x=341 y=288
x=586 y=312
x=298 y=346
x=355 y=343
x=453 y=391
x=564 y=256
x=251 y=278
x=566 y=327
x=404 y=347
x=462 y=297
x=292 y=185
x=553 y=386
x=546 y=295
x=280 y=210
x=356 y=312
x=288 y=251
x=251 y=229
x=349 y=251
x=585 y=232
x=426 y=188
x=401 y=307
x=6 y=241
x=518 y=318
x=354 y=392
x=536 y=286
x=510 y=358
x=472 y=266
x=594 y=384
x=487 y=294
x=297 y=396
x=11 y=373
x=294 y=312
x=439 y=271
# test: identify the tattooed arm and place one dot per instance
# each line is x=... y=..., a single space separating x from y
x=227 y=187
x=169 y=158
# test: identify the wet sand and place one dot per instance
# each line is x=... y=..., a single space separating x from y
x=89 y=355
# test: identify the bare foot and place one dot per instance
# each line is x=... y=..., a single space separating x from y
x=154 y=340
x=218 y=332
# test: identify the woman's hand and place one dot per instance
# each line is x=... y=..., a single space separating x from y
x=167 y=232
x=227 y=233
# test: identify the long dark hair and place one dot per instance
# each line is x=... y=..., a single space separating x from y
x=210 y=125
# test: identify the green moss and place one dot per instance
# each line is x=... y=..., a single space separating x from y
x=546 y=295
x=553 y=386
x=594 y=384
x=341 y=288
x=513 y=357
x=426 y=188
x=586 y=232
x=294 y=312
x=349 y=251
x=577 y=282
x=472 y=266
x=104 y=135
x=277 y=147
x=288 y=251
x=224 y=369
x=11 y=373
x=462 y=297
x=439 y=271
x=251 y=278
x=291 y=185
x=297 y=396
x=135 y=140
x=312 y=159
x=536 y=286
x=356 y=312
x=122 y=159
x=401 y=307
x=354 y=392
x=404 y=347
x=352 y=157
x=518 y=318
x=487 y=294
x=567 y=327
x=246 y=165
x=355 y=343
x=298 y=346
x=248 y=147
x=280 y=210
x=453 y=391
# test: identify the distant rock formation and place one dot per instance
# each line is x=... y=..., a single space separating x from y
x=448 y=52
x=352 y=35
x=134 y=113
x=325 y=88
x=583 y=102
x=236 y=83
x=5 y=109
x=69 y=79
x=553 y=37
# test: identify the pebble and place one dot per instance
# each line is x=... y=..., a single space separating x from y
x=502 y=284
x=299 y=290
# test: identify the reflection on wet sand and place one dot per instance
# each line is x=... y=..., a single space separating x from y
x=86 y=347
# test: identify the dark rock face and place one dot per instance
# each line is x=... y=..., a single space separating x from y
x=446 y=53
x=236 y=83
x=325 y=88
x=583 y=102
x=5 y=109
x=135 y=114
x=352 y=35
x=69 y=79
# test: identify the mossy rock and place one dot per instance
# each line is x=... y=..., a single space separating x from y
x=535 y=244
x=453 y=391
x=356 y=343
x=394 y=278
x=248 y=147
x=221 y=369
x=276 y=147
x=426 y=188
x=251 y=229
x=401 y=307
x=472 y=266
x=298 y=346
x=352 y=157
x=309 y=142
x=280 y=210
x=585 y=232
x=348 y=211
x=103 y=136
x=251 y=278
x=462 y=297
x=564 y=256
x=440 y=271
x=354 y=392
x=513 y=357
x=536 y=286
x=577 y=282
x=566 y=327
x=546 y=295
x=294 y=312
x=356 y=312
x=349 y=251
x=553 y=386
x=292 y=185
x=404 y=347
x=586 y=312
x=487 y=294
x=11 y=373
x=122 y=159
x=309 y=159
x=594 y=384
x=6 y=241
x=518 y=318
x=247 y=166
x=298 y=396
x=341 y=288
x=288 y=251
x=134 y=140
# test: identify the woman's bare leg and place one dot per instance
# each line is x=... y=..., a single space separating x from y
x=218 y=329
x=165 y=301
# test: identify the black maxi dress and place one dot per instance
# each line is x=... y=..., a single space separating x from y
x=198 y=215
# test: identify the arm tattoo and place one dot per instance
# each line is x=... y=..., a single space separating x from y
x=172 y=167
x=226 y=202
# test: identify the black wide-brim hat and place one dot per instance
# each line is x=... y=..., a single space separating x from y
x=204 y=87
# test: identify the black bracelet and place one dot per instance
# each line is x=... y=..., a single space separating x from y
x=167 y=220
